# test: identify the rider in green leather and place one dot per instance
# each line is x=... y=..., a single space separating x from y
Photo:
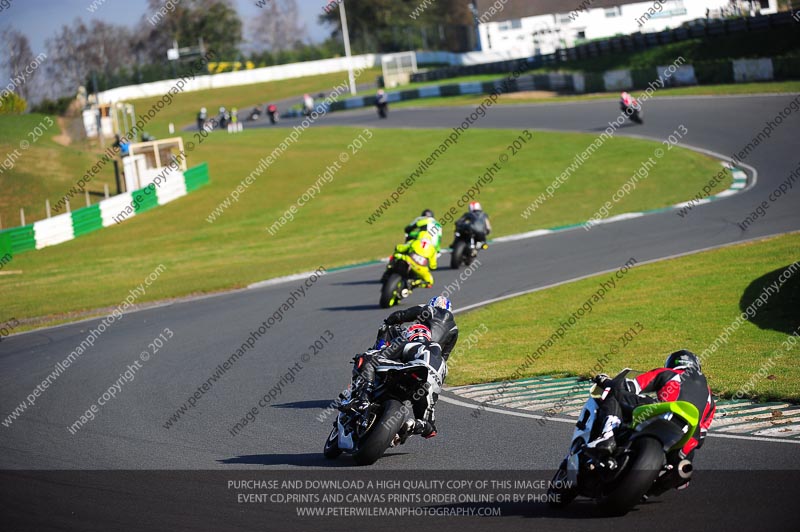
x=425 y=222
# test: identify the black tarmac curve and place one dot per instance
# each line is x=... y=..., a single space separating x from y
x=162 y=478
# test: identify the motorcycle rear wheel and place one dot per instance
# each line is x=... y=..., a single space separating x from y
x=380 y=435
x=646 y=463
x=390 y=291
x=457 y=256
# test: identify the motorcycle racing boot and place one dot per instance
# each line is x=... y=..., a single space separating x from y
x=606 y=444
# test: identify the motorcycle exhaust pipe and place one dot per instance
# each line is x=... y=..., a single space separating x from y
x=685 y=469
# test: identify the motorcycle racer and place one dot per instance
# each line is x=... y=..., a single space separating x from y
x=437 y=315
x=681 y=379
x=416 y=346
x=428 y=223
x=423 y=254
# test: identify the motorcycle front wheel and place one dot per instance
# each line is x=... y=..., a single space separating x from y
x=380 y=433
x=331 y=449
x=390 y=291
x=560 y=490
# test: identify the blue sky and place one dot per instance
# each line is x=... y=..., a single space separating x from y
x=40 y=19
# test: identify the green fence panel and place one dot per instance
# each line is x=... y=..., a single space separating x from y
x=642 y=77
x=713 y=72
x=411 y=94
x=5 y=246
x=142 y=201
x=22 y=238
x=196 y=177
x=787 y=67
x=87 y=220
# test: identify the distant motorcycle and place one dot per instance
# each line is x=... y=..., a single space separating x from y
x=644 y=462
x=397 y=280
x=464 y=247
x=382 y=104
x=255 y=114
x=272 y=112
x=367 y=430
x=635 y=113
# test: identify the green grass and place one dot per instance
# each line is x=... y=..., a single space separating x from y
x=681 y=303
x=98 y=270
x=771 y=87
x=46 y=170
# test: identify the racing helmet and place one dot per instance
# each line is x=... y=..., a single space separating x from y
x=683 y=359
x=474 y=206
x=427 y=212
x=418 y=333
x=440 y=302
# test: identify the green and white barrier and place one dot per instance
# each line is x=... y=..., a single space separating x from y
x=67 y=226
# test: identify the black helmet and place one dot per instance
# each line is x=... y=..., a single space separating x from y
x=427 y=212
x=683 y=359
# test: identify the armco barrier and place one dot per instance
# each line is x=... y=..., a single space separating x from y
x=67 y=226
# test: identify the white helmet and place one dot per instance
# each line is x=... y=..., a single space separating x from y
x=474 y=206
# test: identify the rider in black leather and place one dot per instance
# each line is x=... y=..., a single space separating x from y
x=436 y=315
x=476 y=221
x=417 y=346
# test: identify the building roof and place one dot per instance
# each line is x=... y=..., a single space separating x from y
x=514 y=9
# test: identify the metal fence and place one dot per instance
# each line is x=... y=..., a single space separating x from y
x=624 y=43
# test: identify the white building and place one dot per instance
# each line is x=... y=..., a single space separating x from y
x=531 y=27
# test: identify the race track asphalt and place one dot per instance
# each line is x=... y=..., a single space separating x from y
x=129 y=432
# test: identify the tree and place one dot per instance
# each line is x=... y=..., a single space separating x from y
x=17 y=61
x=12 y=104
x=216 y=22
x=77 y=52
x=397 y=25
x=277 y=27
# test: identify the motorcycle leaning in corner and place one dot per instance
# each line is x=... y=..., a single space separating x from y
x=644 y=463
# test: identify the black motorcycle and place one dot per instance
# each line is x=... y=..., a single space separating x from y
x=255 y=114
x=465 y=246
x=383 y=108
x=635 y=113
x=645 y=462
x=366 y=429
x=272 y=112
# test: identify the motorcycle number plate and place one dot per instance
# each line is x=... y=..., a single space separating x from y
x=419 y=259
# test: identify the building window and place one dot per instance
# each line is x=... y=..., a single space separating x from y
x=564 y=18
x=581 y=34
x=510 y=25
x=613 y=12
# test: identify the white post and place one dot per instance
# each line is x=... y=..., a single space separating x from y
x=105 y=189
x=22 y=216
x=68 y=210
x=47 y=207
x=88 y=203
x=346 y=37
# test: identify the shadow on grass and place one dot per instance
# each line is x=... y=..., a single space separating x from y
x=781 y=312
